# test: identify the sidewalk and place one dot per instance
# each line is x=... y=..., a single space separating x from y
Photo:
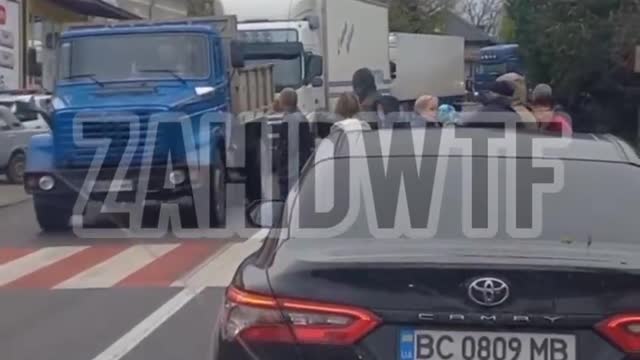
x=11 y=194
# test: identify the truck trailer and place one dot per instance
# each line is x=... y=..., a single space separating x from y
x=427 y=64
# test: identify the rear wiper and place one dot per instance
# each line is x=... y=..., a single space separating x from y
x=168 y=71
x=89 y=76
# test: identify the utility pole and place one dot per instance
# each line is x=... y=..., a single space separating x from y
x=152 y=4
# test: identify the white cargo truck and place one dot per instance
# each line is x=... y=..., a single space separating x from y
x=316 y=45
x=427 y=64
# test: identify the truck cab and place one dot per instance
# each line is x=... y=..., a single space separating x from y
x=129 y=105
x=496 y=61
x=294 y=48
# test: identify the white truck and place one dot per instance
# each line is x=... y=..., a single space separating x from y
x=427 y=64
x=316 y=45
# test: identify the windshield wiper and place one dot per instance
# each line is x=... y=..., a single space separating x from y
x=89 y=76
x=168 y=71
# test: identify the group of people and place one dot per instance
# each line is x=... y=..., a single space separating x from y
x=506 y=102
x=367 y=108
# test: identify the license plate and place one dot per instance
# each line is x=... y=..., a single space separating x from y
x=459 y=345
x=113 y=186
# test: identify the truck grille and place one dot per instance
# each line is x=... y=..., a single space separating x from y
x=116 y=127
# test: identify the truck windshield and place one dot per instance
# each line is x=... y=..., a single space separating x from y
x=134 y=57
x=287 y=72
x=492 y=69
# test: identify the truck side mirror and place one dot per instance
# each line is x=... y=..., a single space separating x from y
x=315 y=67
x=236 y=51
x=317 y=82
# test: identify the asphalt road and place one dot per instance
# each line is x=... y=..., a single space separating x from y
x=67 y=297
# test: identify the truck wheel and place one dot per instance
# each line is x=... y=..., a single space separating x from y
x=15 y=169
x=53 y=214
x=218 y=193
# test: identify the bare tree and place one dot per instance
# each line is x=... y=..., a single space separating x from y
x=416 y=15
x=484 y=14
x=200 y=7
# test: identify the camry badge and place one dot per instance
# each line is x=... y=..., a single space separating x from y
x=488 y=291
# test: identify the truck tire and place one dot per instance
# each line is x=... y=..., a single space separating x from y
x=15 y=168
x=218 y=193
x=53 y=214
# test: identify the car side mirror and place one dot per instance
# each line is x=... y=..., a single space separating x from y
x=315 y=67
x=4 y=126
x=265 y=213
x=236 y=51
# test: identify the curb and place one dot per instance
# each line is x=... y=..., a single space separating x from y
x=17 y=202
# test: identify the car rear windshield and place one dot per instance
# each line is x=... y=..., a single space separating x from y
x=570 y=203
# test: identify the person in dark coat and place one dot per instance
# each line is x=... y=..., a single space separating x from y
x=497 y=111
x=295 y=142
x=388 y=113
x=364 y=86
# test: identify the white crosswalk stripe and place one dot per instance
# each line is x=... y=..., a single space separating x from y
x=111 y=271
x=25 y=265
x=193 y=264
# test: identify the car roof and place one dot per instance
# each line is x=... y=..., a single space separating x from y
x=581 y=147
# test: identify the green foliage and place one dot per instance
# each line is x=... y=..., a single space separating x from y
x=507 y=31
x=574 y=45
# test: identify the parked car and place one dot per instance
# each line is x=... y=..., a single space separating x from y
x=14 y=138
x=30 y=119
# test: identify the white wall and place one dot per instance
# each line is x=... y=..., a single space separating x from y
x=158 y=9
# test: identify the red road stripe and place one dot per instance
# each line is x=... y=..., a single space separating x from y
x=50 y=276
x=171 y=266
x=7 y=255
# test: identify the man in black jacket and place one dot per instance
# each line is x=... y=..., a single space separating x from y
x=295 y=142
x=496 y=111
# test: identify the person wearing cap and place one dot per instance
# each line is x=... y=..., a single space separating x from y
x=549 y=117
x=496 y=110
x=519 y=98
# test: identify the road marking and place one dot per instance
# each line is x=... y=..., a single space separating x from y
x=27 y=264
x=112 y=271
x=60 y=271
x=169 y=268
x=7 y=255
x=131 y=339
x=221 y=267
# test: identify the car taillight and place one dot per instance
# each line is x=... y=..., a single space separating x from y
x=624 y=331
x=253 y=317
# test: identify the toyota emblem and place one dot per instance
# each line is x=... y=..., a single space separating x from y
x=488 y=291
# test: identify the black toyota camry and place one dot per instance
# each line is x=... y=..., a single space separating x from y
x=439 y=246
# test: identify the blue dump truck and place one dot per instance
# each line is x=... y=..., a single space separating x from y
x=142 y=112
x=496 y=61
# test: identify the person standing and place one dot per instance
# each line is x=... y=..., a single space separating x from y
x=295 y=142
x=519 y=99
x=497 y=110
x=364 y=86
x=549 y=117
x=347 y=110
x=426 y=109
